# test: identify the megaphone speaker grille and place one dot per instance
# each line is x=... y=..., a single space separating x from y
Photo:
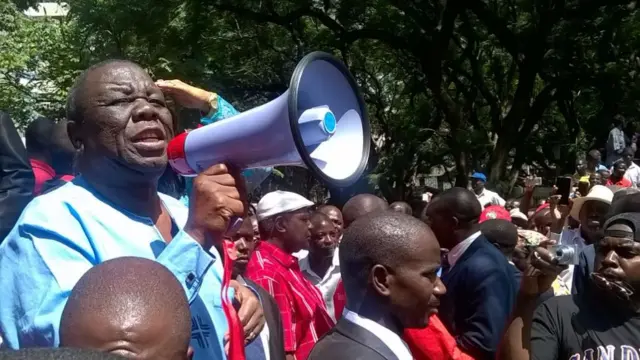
x=322 y=81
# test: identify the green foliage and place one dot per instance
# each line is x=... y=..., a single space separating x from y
x=482 y=85
x=31 y=57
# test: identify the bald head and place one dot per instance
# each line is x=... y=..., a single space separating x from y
x=452 y=214
x=383 y=238
x=75 y=101
x=129 y=306
x=392 y=255
x=458 y=202
x=324 y=237
x=361 y=205
x=335 y=215
x=401 y=207
x=318 y=218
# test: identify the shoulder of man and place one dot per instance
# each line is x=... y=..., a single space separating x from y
x=336 y=346
x=556 y=308
x=55 y=204
x=488 y=259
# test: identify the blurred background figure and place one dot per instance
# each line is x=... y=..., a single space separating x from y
x=16 y=177
x=401 y=207
x=485 y=197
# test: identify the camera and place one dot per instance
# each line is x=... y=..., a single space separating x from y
x=565 y=254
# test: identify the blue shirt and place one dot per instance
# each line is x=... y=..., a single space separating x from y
x=62 y=234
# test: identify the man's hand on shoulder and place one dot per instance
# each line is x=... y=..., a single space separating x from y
x=250 y=311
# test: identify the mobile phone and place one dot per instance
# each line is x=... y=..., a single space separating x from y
x=564 y=189
x=583 y=188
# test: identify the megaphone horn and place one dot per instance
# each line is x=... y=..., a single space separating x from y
x=319 y=123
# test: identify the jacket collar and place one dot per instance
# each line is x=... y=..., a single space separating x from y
x=364 y=337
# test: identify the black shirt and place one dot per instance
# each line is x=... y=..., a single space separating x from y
x=572 y=328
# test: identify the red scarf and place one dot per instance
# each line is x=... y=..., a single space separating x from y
x=236 y=332
x=433 y=342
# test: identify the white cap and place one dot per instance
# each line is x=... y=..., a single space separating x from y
x=516 y=213
x=279 y=202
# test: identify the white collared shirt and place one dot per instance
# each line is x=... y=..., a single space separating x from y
x=264 y=337
x=633 y=174
x=327 y=284
x=488 y=197
x=301 y=254
x=388 y=337
x=456 y=253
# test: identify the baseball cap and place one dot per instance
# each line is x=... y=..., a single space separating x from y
x=632 y=229
x=479 y=176
x=279 y=202
x=494 y=212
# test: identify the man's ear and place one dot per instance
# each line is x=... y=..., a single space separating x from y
x=380 y=279
x=279 y=224
x=74 y=134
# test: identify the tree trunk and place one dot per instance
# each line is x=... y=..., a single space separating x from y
x=499 y=159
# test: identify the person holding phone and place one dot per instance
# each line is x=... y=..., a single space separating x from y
x=600 y=323
x=589 y=211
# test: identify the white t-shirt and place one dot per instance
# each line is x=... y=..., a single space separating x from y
x=488 y=197
x=327 y=284
x=633 y=174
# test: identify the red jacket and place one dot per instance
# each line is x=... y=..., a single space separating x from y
x=433 y=342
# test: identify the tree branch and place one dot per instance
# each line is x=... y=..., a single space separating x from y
x=497 y=26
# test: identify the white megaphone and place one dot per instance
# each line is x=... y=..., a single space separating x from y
x=319 y=123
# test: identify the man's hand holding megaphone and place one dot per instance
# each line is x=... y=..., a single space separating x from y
x=218 y=196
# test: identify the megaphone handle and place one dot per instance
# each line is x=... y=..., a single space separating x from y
x=234 y=224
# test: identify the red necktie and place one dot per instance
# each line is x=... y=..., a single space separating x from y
x=236 y=332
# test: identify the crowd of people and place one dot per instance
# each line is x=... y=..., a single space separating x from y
x=102 y=257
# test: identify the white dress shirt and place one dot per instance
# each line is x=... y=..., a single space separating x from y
x=327 y=284
x=633 y=174
x=456 y=253
x=301 y=254
x=488 y=197
x=388 y=337
x=264 y=334
x=264 y=337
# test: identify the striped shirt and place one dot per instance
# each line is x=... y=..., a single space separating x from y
x=304 y=315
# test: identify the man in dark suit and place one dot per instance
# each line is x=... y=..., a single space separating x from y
x=479 y=280
x=389 y=263
x=240 y=249
x=503 y=234
x=16 y=176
